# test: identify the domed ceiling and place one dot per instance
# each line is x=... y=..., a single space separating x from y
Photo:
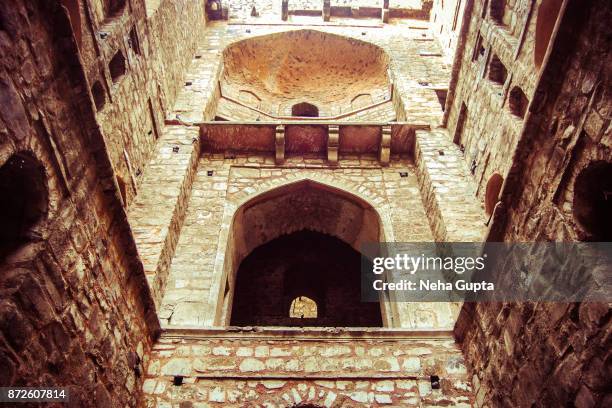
x=276 y=71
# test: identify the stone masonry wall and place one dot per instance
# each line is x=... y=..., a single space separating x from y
x=75 y=309
x=446 y=18
x=363 y=369
x=188 y=300
x=479 y=117
x=158 y=47
x=551 y=354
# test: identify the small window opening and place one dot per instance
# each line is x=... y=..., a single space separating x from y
x=441 y=94
x=494 y=186
x=113 y=7
x=98 y=94
x=548 y=12
x=117 y=66
x=177 y=380
x=479 y=49
x=303 y=307
x=497 y=11
x=403 y=174
x=23 y=201
x=517 y=101
x=435 y=382
x=497 y=71
x=305 y=109
x=460 y=124
x=592 y=206
x=134 y=42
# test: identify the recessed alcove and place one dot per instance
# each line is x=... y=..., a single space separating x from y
x=23 y=200
x=592 y=206
x=291 y=68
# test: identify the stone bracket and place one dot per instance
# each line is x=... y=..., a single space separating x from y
x=385 y=11
x=279 y=144
x=333 y=139
x=384 y=153
x=285 y=10
x=326 y=10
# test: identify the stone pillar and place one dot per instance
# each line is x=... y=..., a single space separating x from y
x=279 y=144
x=333 y=138
x=385 y=11
x=384 y=154
x=326 y=10
x=285 y=10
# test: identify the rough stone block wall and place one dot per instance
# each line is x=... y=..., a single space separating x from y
x=446 y=18
x=551 y=354
x=276 y=370
x=489 y=131
x=158 y=46
x=75 y=309
x=243 y=176
x=448 y=194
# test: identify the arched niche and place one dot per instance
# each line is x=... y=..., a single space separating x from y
x=113 y=7
x=299 y=206
x=592 y=203
x=518 y=102
x=24 y=201
x=305 y=109
x=494 y=186
x=497 y=10
x=117 y=66
x=548 y=12
x=99 y=95
x=303 y=279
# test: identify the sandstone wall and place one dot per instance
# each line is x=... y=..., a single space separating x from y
x=157 y=40
x=75 y=309
x=446 y=19
x=551 y=354
x=286 y=369
x=481 y=117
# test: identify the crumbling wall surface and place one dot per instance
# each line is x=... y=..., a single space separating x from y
x=551 y=354
x=363 y=368
x=75 y=310
x=158 y=46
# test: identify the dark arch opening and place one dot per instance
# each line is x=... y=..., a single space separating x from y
x=117 y=66
x=305 y=263
x=592 y=205
x=497 y=9
x=494 y=186
x=99 y=96
x=23 y=200
x=305 y=109
x=517 y=101
x=548 y=11
x=113 y=7
x=497 y=70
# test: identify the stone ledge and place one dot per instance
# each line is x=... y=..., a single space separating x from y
x=278 y=333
